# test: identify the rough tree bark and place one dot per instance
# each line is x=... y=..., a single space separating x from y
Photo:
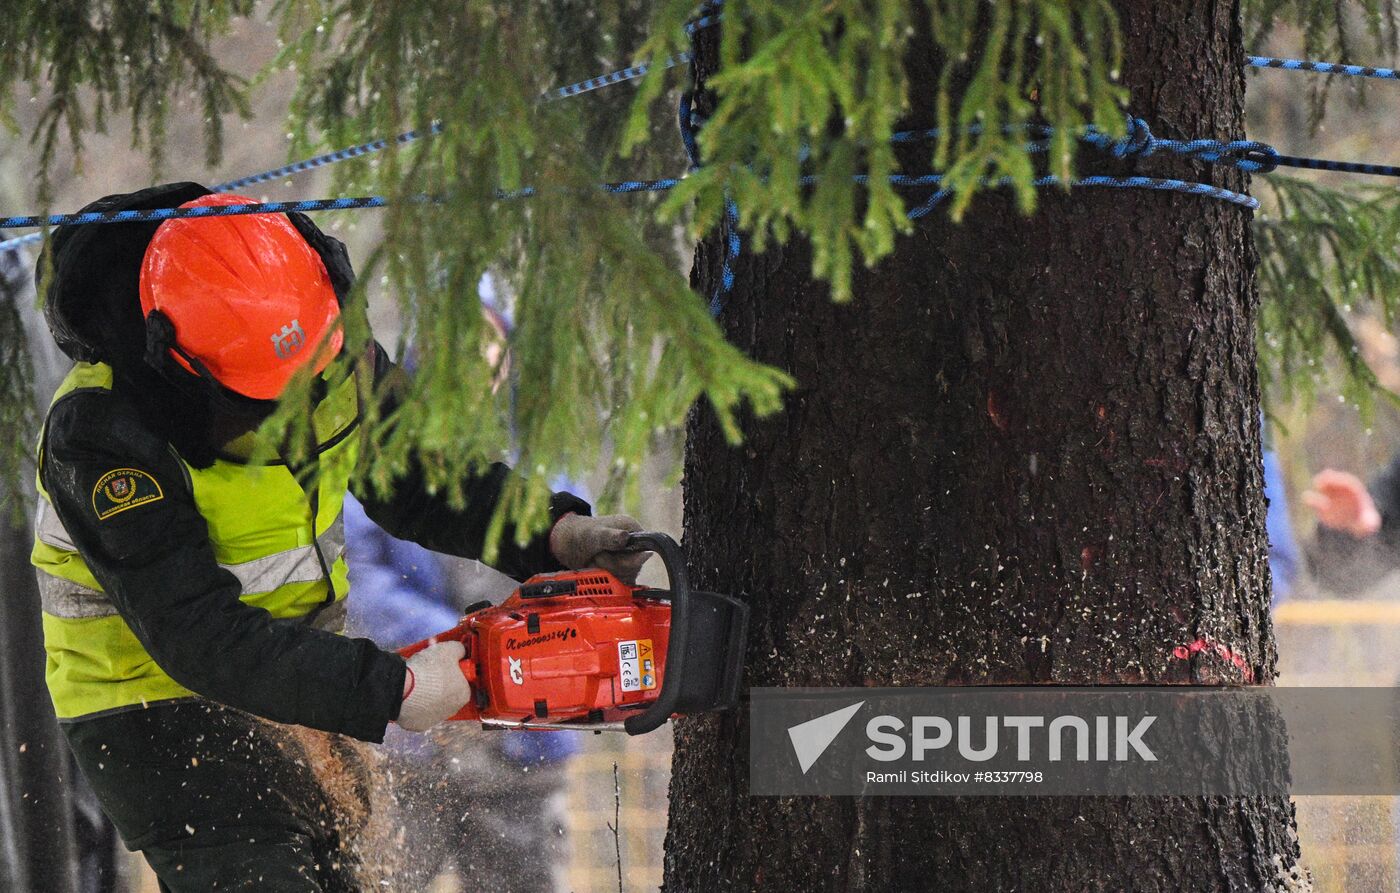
x=1028 y=452
x=38 y=849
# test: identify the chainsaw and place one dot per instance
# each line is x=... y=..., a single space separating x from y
x=583 y=650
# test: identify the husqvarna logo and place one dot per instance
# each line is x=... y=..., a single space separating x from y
x=289 y=340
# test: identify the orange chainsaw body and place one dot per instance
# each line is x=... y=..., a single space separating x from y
x=571 y=646
x=583 y=650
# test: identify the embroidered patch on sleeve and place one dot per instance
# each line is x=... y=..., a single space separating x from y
x=121 y=489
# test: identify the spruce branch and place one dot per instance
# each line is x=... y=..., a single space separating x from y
x=89 y=57
x=1333 y=31
x=806 y=96
x=1326 y=256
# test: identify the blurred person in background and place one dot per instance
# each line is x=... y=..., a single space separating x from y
x=1358 y=529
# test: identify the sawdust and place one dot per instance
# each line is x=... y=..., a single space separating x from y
x=359 y=802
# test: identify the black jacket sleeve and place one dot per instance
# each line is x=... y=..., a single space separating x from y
x=412 y=513
x=154 y=560
x=1348 y=564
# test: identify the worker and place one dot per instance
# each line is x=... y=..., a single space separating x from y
x=191 y=595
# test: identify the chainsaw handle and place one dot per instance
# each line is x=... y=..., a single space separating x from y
x=660 y=710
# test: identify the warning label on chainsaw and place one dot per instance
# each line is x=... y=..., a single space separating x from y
x=636 y=663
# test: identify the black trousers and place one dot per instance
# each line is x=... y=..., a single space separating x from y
x=215 y=799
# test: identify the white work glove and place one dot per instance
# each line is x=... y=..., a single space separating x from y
x=579 y=542
x=435 y=688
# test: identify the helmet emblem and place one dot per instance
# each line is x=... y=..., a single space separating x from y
x=289 y=340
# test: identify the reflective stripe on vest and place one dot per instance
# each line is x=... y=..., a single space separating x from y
x=65 y=598
x=73 y=601
x=264 y=528
x=299 y=565
x=48 y=528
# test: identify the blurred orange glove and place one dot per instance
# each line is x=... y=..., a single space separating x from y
x=1341 y=502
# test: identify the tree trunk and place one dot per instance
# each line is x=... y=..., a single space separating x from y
x=38 y=849
x=1027 y=453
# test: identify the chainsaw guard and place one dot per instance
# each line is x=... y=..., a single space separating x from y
x=705 y=655
x=714 y=659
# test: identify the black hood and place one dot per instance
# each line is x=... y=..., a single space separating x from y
x=90 y=278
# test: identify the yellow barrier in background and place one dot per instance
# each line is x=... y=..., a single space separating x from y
x=1349 y=844
x=1337 y=612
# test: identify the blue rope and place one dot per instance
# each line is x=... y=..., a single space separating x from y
x=923 y=210
x=279 y=173
x=624 y=187
x=1159 y=184
x=1247 y=155
x=306 y=164
x=1346 y=167
x=705 y=21
x=685 y=123
x=1356 y=71
x=617 y=77
x=733 y=246
x=1154 y=183
x=153 y=214
x=733 y=242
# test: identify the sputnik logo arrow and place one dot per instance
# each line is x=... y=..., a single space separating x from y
x=810 y=739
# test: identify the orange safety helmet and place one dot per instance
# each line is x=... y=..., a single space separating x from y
x=249 y=300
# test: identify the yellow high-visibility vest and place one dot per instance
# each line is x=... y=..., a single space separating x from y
x=265 y=529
